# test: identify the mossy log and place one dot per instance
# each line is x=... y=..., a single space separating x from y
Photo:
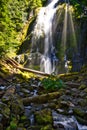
x=17 y=66
x=41 y=98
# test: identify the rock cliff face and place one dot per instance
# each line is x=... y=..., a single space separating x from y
x=83 y=40
x=69 y=36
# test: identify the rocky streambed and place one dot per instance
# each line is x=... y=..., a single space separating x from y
x=26 y=105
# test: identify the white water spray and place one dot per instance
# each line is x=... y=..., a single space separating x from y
x=44 y=28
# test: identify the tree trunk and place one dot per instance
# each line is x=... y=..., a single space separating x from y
x=41 y=98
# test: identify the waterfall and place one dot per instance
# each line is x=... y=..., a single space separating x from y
x=44 y=29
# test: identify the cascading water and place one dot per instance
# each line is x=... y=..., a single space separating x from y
x=44 y=29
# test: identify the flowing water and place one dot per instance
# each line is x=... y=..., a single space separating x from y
x=63 y=122
x=44 y=28
x=45 y=43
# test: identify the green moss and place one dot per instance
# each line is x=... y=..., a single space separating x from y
x=43 y=117
x=13 y=125
x=82 y=86
x=23 y=118
x=85 y=90
x=79 y=112
x=6 y=112
x=83 y=103
x=47 y=127
x=8 y=128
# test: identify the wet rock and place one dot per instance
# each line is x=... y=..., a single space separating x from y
x=18 y=88
x=82 y=94
x=68 y=92
x=70 y=112
x=1 y=93
x=25 y=91
x=82 y=121
x=1 y=116
x=65 y=97
x=52 y=105
x=21 y=94
x=64 y=104
x=60 y=110
x=1 y=126
x=83 y=102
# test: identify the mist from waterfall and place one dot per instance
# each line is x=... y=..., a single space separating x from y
x=54 y=32
x=64 y=33
x=44 y=28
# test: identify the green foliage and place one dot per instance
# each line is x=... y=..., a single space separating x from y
x=13 y=125
x=78 y=10
x=78 y=6
x=52 y=83
x=36 y=3
x=13 y=15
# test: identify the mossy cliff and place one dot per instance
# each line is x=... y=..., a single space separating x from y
x=14 y=17
x=75 y=39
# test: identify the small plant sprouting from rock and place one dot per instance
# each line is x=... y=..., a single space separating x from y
x=52 y=83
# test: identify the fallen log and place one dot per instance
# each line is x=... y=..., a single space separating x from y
x=17 y=66
x=12 y=62
x=41 y=98
x=33 y=71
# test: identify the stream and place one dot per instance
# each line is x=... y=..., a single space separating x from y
x=67 y=112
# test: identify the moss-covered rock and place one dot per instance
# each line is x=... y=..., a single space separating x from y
x=83 y=103
x=17 y=105
x=79 y=112
x=47 y=127
x=85 y=90
x=6 y=112
x=23 y=118
x=82 y=86
x=13 y=125
x=43 y=117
